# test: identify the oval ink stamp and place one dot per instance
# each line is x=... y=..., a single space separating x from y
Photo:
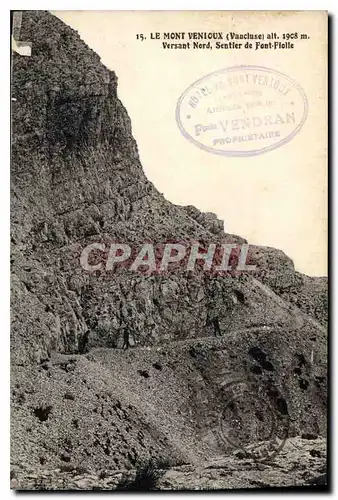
x=252 y=420
x=242 y=111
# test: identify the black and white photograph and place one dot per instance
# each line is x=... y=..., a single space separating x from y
x=169 y=250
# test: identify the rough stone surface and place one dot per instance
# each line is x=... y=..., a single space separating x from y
x=80 y=402
x=301 y=463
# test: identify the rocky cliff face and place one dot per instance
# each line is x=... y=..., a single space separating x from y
x=78 y=398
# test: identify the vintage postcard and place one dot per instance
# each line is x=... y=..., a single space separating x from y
x=169 y=250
